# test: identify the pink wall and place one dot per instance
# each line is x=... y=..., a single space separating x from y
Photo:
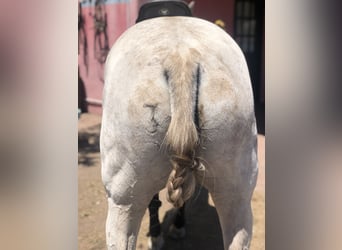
x=120 y=16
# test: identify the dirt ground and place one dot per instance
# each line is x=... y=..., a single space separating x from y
x=203 y=230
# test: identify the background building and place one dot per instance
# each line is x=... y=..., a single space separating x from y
x=101 y=22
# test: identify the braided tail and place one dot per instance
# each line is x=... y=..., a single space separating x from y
x=182 y=181
x=182 y=136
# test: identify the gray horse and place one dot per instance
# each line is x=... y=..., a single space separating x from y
x=177 y=110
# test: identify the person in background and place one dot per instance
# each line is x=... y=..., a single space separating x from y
x=220 y=23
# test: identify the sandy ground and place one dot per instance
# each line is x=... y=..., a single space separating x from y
x=203 y=230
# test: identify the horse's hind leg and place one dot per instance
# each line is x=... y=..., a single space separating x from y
x=130 y=187
x=122 y=225
x=177 y=228
x=128 y=198
x=180 y=217
x=156 y=240
x=236 y=220
x=153 y=208
x=231 y=184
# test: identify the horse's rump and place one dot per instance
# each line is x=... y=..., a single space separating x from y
x=168 y=81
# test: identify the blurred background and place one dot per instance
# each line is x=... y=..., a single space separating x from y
x=39 y=43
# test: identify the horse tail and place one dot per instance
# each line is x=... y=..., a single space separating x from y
x=182 y=74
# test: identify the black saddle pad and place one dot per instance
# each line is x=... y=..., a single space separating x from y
x=164 y=8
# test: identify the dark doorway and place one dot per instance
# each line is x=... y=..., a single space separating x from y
x=249 y=34
x=82 y=103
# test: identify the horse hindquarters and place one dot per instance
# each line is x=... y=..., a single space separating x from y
x=191 y=76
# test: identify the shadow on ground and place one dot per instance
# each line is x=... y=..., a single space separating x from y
x=88 y=146
x=202 y=225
